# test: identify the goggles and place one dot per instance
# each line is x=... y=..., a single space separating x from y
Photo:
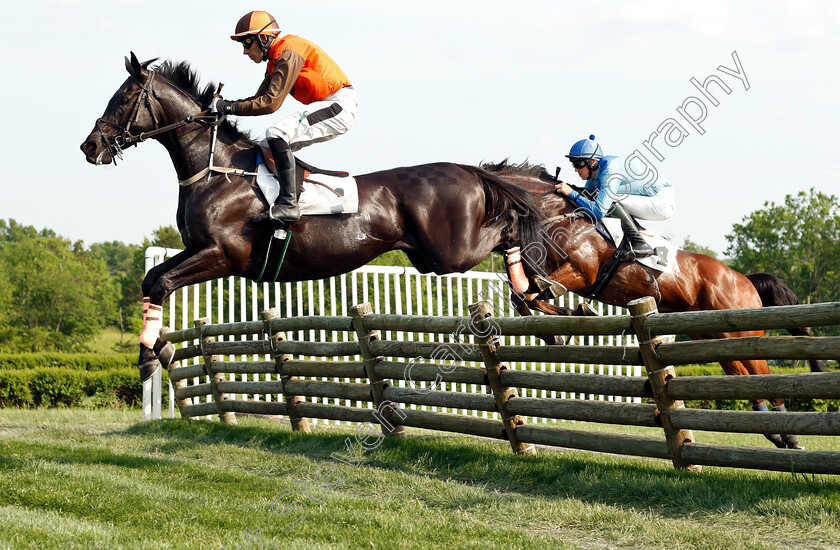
x=578 y=163
x=247 y=41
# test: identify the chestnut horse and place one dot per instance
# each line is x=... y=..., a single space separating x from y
x=445 y=217
x=698 y=282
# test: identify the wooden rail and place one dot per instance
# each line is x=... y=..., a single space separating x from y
x=437 y=367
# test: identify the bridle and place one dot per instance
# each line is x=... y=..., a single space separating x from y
x=124 y=139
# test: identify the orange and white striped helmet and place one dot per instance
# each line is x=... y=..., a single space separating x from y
x=256 y=22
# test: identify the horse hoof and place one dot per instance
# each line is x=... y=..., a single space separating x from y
x=164 y=352
x=555 y=340
x=549 y=289
x=791 y=441
x=148 y=369
x=776 y=440
x=585 y=310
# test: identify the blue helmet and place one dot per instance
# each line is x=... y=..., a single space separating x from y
x=586 y=149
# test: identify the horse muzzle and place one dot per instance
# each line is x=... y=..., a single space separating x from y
x=95 y=152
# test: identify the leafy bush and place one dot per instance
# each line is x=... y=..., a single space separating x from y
x=14 y=388
x=61 y=387
x=75 y=361
x=51 y=386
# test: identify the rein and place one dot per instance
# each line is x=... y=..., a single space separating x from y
x=116 y=145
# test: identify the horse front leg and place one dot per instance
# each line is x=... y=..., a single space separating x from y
x=186 y=268
x=523 y=309
x=524 y=303
x=153 y=314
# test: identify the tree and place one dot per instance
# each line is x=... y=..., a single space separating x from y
x=691 y=246
x=116 y=255
x=796 y=241
x=119 y=258
x=12 y=231
x=5 y=304
x=131 y=273
x=167 y=236
x=60 y=295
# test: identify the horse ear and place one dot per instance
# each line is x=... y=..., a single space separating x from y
x=133 y=66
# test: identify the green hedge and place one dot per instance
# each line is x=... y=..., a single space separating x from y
x=75 y=361
x=803 y=405
x=111 y=380
x=61 y=387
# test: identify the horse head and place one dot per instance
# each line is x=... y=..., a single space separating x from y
x=128 y=114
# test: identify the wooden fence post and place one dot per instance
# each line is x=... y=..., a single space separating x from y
x=487 y=342
x=176 y=384
x=658 y=374
x=299 y=424
x=227 y=417
x=384 y=414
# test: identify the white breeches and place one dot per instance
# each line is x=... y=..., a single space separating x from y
x=319 y=121
x=656 y=208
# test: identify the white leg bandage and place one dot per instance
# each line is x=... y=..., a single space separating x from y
x=152 y=323
x=518 y=280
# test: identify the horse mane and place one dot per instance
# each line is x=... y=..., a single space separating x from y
x=529 y=170
x=182 y=75
x=524 y=168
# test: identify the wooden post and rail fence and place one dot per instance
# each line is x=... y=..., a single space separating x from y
x=203 y=389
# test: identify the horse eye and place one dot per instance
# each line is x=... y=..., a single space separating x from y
x=123 y=100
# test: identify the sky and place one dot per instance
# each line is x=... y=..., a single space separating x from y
x=461 y=80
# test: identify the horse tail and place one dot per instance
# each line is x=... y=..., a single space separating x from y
x=774 y=292
x=502 y=198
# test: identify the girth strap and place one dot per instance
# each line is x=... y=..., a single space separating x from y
x=605 y=274
x=219 y=169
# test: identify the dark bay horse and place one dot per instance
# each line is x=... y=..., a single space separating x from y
x=445 y=217
x=698 y=282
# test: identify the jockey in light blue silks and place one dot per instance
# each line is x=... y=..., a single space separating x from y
x=617 y=193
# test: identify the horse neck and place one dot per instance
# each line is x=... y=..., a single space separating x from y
x=189 y=145
x=571 y=232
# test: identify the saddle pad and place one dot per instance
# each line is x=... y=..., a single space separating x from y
x=315 y=200
x=666 y=253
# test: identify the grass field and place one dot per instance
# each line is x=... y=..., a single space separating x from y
x=99 y=479
x=108 y=340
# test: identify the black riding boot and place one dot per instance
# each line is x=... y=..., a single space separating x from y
x=638 y=247
x=285 y=207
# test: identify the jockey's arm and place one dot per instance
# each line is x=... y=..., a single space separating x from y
x=274 y=89
x=594 y=207
x=594 y=200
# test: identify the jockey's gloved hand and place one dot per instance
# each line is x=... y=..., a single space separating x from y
x=223 y=106
x=214 y=104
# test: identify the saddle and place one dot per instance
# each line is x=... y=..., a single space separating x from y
x=303 y=169
x=607 y=270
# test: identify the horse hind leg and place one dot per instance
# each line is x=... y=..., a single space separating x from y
x=789 y=441
x=739 y=368
x=782 y=441
x=760 y=405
